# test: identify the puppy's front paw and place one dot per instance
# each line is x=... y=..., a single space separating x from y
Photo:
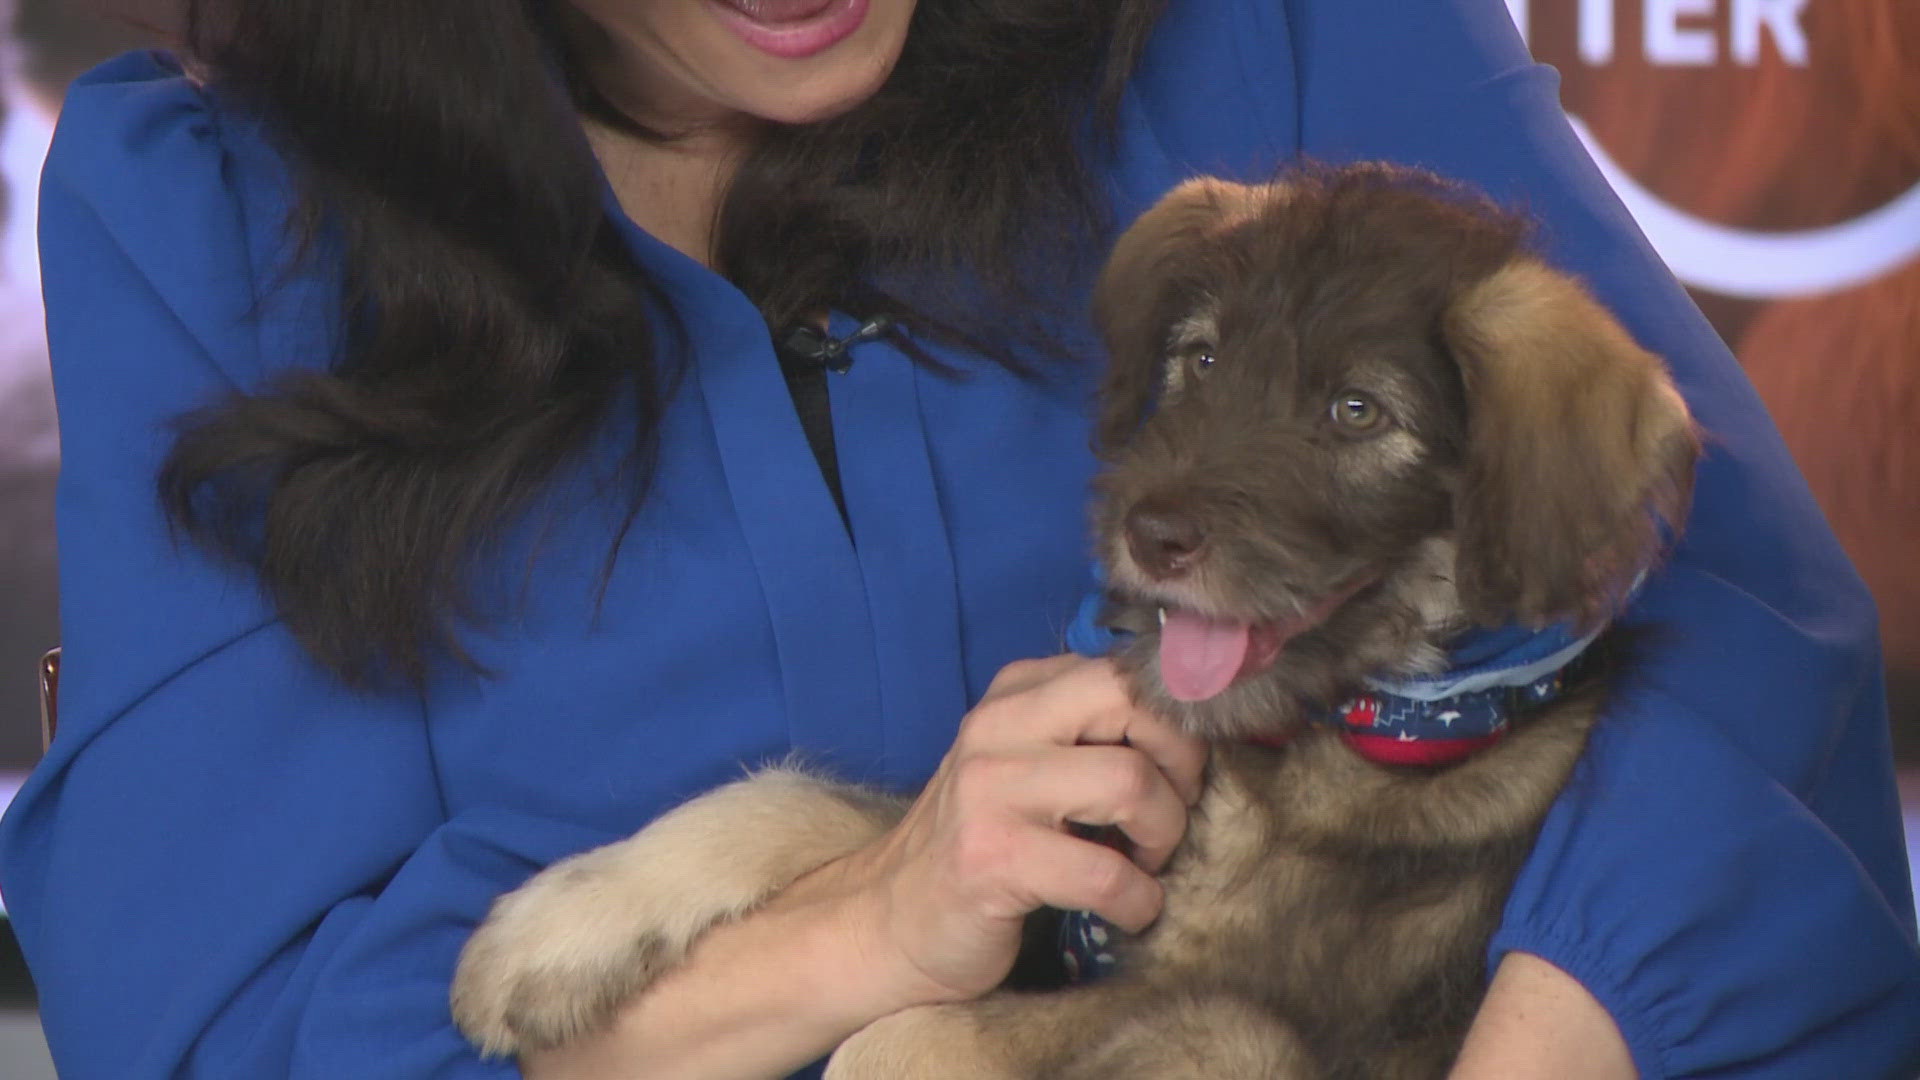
x=931 y=1042
x=558 y=956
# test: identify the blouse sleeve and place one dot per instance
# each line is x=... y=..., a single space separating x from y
x=1726 y=872
x=227 y=865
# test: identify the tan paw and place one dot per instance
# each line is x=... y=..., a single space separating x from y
x=557 y=957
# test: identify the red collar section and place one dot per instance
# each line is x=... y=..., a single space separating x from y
x=1394 y=729
x=1399 y=750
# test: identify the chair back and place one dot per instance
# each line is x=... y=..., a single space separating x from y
x=49 y=696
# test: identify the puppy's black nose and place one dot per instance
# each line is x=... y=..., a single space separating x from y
x=1163 y=538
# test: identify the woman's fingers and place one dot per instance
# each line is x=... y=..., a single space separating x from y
x=1026 y=674
x=1068 y=700
x=1181 y=758
x=1090 y=785
x=1054 y=741
x=1075 y=875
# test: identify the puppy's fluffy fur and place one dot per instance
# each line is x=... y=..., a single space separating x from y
x=1516 y=458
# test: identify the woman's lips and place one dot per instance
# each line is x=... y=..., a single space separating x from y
x=780 y=11
x=792 y=29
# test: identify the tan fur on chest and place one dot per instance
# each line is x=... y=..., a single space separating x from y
x=1218 y=886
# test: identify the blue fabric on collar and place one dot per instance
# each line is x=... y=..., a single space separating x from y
x=1482 y=659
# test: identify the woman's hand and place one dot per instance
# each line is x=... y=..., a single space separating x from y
x=940 y=899
x=932 y=910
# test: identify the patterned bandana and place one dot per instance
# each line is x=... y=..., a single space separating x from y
x=1491 y=676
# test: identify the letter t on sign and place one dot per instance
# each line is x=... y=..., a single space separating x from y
x=1781 y=18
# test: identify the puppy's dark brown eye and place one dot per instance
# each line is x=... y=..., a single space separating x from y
x=1185 y=366
x=1356 y=413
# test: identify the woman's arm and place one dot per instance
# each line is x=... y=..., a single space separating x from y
x=933 y=910
x=1538 y=1021
x=754 y=999
x=227 y=865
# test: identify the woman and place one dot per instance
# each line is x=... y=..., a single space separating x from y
x=429 y=639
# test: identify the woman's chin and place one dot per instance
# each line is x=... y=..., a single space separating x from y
x=818 y=96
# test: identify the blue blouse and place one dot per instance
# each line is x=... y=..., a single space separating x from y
x=230 y=866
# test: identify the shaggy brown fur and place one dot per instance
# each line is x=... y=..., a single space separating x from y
x=1515 y=457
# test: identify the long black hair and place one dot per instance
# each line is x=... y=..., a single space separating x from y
x=491 y=313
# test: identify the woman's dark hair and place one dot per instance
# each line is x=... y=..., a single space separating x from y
x=491 y=313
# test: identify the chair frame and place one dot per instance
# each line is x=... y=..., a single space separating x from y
x=49 y=696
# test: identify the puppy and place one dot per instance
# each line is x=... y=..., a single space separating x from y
x=1349 y=419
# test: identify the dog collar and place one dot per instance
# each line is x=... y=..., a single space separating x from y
x=1491 y=676
x=1389 y=729
x=1435 y=720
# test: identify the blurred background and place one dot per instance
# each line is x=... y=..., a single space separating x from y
x=1770 y=148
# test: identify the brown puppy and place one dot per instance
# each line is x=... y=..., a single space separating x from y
x=1348 y=418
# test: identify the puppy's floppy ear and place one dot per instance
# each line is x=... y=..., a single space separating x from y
x=1155 y=269
x=1579 y=450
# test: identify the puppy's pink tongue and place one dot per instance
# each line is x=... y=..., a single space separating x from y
x=1199 y=657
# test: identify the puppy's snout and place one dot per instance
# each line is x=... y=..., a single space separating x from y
x=1163 y=538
